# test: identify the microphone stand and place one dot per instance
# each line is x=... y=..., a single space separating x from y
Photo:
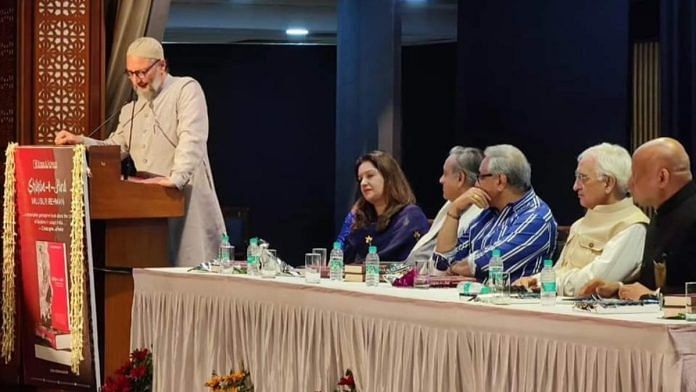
x=127 y=164
x=100 y=126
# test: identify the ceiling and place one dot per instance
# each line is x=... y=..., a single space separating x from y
x=265 y=21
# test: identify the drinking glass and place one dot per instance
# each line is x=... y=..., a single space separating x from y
x=423 y=272
x=269 y=266
x=226 y=256
x=322 y=253
x=502 y=289
x=312 y=267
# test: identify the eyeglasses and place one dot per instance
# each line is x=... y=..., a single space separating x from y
x=142 y=73
x=584 y=178
x=481 y=176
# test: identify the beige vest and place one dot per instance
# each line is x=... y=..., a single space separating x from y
x=589 y=234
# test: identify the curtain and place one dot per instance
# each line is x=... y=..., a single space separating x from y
x=133 y=19
x=678 y=56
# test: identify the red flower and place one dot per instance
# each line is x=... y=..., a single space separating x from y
x=347 y=380
x=140 y=355
x=138 y=372
x=123 y=370
x=118 y=384
x=134 y=376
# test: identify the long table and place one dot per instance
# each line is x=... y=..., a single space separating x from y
x=294 y=336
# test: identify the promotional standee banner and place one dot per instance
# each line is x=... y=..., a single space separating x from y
x=44 y=195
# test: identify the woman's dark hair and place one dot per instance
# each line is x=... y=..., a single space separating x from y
x=397 y=191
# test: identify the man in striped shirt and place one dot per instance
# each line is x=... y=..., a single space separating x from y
x=515 y=220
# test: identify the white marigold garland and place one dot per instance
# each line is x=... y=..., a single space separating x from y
x=77 y=270
x=8 y=256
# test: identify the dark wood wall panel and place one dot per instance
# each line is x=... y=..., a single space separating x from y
x=61 y=59
x=8 y=70
x=9 y=373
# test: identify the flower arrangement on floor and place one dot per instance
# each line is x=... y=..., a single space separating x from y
x=134 y=376
x=346 y=383
x=239 y=381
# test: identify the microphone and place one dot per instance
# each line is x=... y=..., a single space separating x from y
x=111 y=117
x=100 y=126
x=128 y=168
x=127 y=164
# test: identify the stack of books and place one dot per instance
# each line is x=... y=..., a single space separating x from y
x=354 y=273
x=674 y=306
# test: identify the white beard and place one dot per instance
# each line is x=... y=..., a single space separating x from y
x=150 y=92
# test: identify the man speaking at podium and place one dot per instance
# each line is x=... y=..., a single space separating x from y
x=165 y=131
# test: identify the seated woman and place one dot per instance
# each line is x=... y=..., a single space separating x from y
x=607 y=242
x=385 y=214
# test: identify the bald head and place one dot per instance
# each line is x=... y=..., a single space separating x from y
x=660 y=168
x=666 y=152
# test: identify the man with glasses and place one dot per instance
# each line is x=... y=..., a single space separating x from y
x=166 y=132
x=608 y=241
x=514 y=220
x=661 y=178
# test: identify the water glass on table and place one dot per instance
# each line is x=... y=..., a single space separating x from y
x=322 y=253
x=269 y=264
x=312 y=267
x=423 y=272
x=502 y=289
x=226 y=256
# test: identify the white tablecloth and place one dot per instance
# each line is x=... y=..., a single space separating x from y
x=298 y=337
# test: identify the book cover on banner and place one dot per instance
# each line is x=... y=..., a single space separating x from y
x=54 y=325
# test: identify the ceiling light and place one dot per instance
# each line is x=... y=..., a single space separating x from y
x=297 y=31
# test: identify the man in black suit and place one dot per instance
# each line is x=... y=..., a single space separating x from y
x=661 y=178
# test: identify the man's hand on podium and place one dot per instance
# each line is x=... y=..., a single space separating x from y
x=162 y=181
x=65 y=137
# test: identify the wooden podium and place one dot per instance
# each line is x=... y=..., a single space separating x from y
x=135 y=235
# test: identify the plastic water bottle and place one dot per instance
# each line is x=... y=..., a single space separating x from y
x=253 y=257
x=548 y=284
x=336 y=263
x=224 y=252
x=372 y=267
x=495 y=273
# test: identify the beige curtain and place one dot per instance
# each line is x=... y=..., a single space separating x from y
x=134 y=18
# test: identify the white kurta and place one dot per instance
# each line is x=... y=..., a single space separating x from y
x=425 y=246
x=170 y=135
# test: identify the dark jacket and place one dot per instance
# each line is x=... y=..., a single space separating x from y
x=671 y=239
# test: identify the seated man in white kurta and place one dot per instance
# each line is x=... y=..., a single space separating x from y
x=166 y=132
x=459 y=173
x=608 y=241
